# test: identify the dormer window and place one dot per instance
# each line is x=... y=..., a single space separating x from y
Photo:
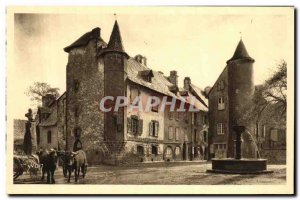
x=147 y=75
x=173 y=89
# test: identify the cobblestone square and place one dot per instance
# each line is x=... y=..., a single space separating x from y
x=191 y=173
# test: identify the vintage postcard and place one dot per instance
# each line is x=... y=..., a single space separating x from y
x=150 y=100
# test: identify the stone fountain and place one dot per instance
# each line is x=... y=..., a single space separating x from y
x=238 y=165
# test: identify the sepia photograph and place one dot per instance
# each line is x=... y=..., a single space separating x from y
x=150 y=100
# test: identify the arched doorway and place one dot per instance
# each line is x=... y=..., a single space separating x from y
x=168 y=155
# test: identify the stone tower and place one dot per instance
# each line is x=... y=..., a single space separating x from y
x=84 y=90
x=115 y=73
x=240 y=89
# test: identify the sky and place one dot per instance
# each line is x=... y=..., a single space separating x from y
x=193 y=41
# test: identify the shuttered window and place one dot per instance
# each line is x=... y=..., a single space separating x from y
x=140 y=127
x=153 y=128
x=177 y=134
x=170 y=133
x=134 y=125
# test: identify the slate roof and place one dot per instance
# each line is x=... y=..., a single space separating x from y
x=115 y=43
x=198 y=92
x=84 y=40
x=51 y=120
x=159 y=83
x=240 y=53
x=45 y=110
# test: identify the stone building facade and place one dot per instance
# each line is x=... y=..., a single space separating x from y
x=51 y=122
x=227 y=99
x=95 y=70
x=232 y=90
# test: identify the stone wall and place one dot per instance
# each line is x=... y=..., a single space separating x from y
x=218 y=116
x=84 y=92
x=61 y=121
x=44 y=137
x=240 y=93
x=274 y=156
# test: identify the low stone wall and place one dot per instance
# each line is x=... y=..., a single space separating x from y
x=274 y=156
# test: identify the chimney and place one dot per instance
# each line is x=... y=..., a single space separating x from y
x=47 y=100
x=141 y=59
x=187 y=83
x=145 y=61
x=173 y=77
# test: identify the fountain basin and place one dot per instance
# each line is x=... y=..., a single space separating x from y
x=239 y=166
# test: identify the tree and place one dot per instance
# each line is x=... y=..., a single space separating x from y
x=269 y=100
x=274 y=90
x=39 y=90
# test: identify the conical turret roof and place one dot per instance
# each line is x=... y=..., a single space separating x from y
x=240 y=53
x=115 y=41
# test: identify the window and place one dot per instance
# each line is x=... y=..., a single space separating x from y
x=154 y=108
x=49 y=137
x=186 y=134
x=177 y=116
x=221 y=103
x=154 y=150
x=153 y=128
x=177 y=151
x=170 y=133
x=148 y=78
x=169 y=151
x=177 y=134
x=220 y=129
x=134 y=96
x=140 y=150
x=220 y=146
x=134 y=125
x=274 y=135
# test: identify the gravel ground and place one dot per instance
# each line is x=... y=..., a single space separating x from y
x=186 y=173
